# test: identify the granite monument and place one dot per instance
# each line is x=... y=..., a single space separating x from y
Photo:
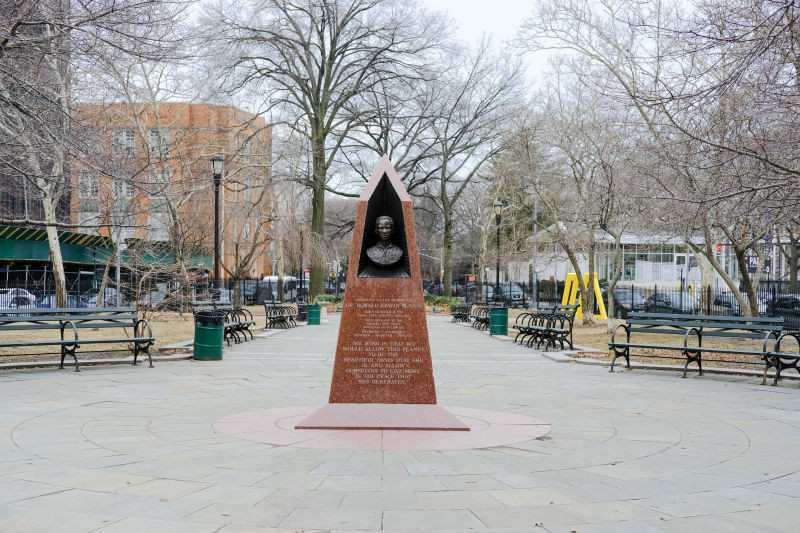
x=382 y=374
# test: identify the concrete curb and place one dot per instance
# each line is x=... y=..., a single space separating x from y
x=676 y=368
x=182 y=345
x=567 y=357
x=92 y=362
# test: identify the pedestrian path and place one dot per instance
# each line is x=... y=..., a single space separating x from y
x=117 y=449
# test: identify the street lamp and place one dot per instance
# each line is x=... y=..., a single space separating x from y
x=216 y=172
x=497 y=206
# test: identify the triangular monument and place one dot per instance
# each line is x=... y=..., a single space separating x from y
x=382 y=375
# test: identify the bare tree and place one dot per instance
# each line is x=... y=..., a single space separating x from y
x=313 y=59
x=246 y=228
x=571 y=152
x=707 y=169
x=475 y=98
x=45 y=46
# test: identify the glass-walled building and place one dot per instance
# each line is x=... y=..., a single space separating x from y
x=654 y=260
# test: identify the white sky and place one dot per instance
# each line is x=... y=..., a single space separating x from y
x=498 y=18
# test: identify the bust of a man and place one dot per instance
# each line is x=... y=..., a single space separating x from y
x=385 y=255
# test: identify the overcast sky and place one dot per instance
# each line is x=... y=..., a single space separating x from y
x=498 y=18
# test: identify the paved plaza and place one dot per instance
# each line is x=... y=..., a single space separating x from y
x=116 y=448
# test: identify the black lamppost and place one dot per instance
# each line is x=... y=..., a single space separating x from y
x=216 y=172
x=498 y=209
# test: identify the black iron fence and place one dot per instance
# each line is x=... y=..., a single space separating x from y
x=28 y=288
x=36 y=288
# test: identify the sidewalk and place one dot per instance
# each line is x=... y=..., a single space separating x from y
x=116 y=448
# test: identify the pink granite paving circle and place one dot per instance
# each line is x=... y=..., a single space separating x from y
x=487 y=429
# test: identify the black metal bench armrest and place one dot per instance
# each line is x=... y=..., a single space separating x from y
x=767 y=338
x=795 y=336
x=147 y=325
x=64 y=324
x=614 y=333
x=696 y=331
x=523 y=318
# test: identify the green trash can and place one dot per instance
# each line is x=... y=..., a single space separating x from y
x=498 y=321
x=209 y=329
x=314 y=312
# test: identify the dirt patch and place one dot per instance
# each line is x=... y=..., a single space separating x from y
x=168 y=328
x=597 y=336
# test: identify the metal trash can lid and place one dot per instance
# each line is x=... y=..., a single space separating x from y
x=210 y=318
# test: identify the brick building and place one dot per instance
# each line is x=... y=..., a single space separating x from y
x=148 y=177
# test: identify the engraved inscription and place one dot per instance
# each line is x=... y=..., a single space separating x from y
x=383 y=352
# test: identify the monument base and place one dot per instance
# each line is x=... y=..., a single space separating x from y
x=389 y=416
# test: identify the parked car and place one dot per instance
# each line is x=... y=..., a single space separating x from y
x=16 y=298
x=109 y=298
x=788 y=307
x=478 y=293
x=330 y=287
x=626 y=300
x=664 y=302
x=725 y=303
x=46 y=301
x=437 y=289
x=151 y=299
x=513 y=295
x=249 y=292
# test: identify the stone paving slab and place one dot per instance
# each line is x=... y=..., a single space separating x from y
x=117 y=448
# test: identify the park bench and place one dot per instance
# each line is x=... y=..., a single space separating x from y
x=779 y=360
x=461 y=313
x=549 y=326
x=237 y=322
x=302 y=311
x=68 y=321
x=694 y=328
x=280 y=316
x=480 y=317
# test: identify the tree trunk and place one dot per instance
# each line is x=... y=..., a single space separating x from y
x=101 y=296
x=577 y=267
x=55 y=252
x=793 y=246
x=237 y=289
x=278 y=294
x=706 y=280
x=447 y=244
x=750 y=285
x=612 y=283
x=315 y=285
x=587 y=293
x=708 y=252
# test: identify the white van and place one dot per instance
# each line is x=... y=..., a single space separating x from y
x=268 y=289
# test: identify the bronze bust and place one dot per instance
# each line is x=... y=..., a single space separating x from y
x=385 y=255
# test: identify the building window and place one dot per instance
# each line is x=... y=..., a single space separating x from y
x=125 y=140
x=123 y=189
x=159 y=142
x=158 y=179
x=88 y=191
x=88 y=186
x=245 y=151
x=158 y=204
x=158 y=225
